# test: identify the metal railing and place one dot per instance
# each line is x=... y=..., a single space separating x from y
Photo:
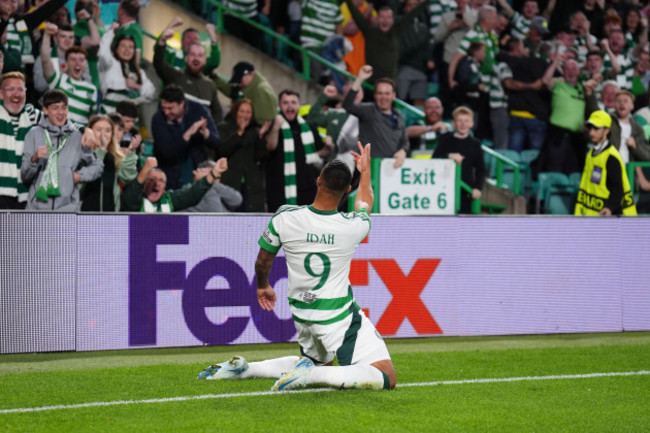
x=307 y=55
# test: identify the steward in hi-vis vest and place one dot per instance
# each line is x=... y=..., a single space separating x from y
x=604 y=187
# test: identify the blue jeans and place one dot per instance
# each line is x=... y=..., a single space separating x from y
x=521 y=127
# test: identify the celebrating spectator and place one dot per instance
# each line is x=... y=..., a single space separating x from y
x=121 y=76
x=54 y=160
x=197 y=87
x=148 y=191
x=82 y=95
x=19 y=26
x=382 y=41
x=189 y=37
x=379 y=122
x=243 y=146
x=415 y=58
x=127 y=25
x=296 y=152
x=183 y=131
x=220 y=197
x=16 y=118
x=565 y=146
x=103 y=194
x=63 y=37
x=429 y=132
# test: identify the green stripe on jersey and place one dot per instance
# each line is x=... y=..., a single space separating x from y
x=322 y=304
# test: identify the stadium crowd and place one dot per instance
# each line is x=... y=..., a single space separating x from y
x=527 y=74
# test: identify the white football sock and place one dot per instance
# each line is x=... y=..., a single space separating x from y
x=348 y=377
x=271 y=368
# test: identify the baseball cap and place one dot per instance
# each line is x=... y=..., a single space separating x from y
x=600 y=119
x=539 y=23
x=241 y=69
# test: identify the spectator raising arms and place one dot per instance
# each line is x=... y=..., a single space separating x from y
x=120 y=72
x=103 y=194
x=54 y=160
x=243 y=146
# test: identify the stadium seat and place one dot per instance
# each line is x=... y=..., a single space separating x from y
x=527 y=157
x=509 y=172
x=556 y=193
x=575 y=179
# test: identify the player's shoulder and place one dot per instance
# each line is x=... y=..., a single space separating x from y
x=287 y=208
x=361 y=214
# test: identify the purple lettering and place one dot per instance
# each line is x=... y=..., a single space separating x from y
x=147 y=275
x=196 y=298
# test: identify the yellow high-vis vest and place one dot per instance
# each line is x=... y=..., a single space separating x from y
x=593 y=185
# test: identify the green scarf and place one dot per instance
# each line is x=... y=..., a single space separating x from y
x=49 y=184
x=311 y=157
x=164 y=205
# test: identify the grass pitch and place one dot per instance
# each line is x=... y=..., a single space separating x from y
x=563 y=383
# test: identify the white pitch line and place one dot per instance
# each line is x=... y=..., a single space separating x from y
x=312 y=390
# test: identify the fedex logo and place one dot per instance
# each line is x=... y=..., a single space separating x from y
x=147 y=276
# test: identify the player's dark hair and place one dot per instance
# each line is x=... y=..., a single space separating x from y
x=336 y=176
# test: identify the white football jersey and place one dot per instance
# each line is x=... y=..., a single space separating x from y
x=318 y=246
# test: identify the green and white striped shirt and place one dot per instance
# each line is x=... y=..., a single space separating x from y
x=436 y=10
x=247 y=8
x=477 y=34
x=626 y=76
x=498 y=96
x=520 y=26
x=318 y=246
x=82 y=96
x=319 y=20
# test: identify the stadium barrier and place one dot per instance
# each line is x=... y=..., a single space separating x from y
x=97 y=282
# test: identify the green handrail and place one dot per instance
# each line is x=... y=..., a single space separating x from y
x=462 y=186
x=630 y=170
x=306 y=54
x=499 y=168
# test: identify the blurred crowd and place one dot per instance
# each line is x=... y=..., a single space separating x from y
x=517 y=75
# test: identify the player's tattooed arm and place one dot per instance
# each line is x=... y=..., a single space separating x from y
x=265 y=293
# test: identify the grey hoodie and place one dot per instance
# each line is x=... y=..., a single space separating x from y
x=73 y=158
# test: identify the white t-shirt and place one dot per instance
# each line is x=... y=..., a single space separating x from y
x=318 y=246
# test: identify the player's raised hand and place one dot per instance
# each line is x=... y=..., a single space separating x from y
x=266 y=298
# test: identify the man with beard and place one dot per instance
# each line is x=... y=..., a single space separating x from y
x=296 y=152
x=16 y=119
x=189 y=37
x=82 y=95
x=147 y=192
x=197 y=87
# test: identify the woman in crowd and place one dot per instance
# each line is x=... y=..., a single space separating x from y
x=103 y=194
x=120 y=73
x=242 y=144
